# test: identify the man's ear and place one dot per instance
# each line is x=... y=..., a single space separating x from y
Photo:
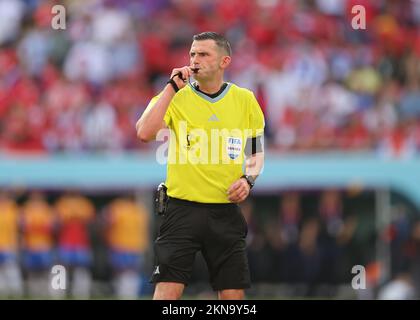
x=225 y=62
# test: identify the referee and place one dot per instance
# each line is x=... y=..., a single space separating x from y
x=216 y=127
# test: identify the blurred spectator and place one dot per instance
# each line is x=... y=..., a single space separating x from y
x=349 y=256
x=399 y=142
x=75 y=213
x=128 y=239
x=310 y=250
x=330 y=212
x=100 y=128
x=38 y=244
x=10 y=278
x=305 y=257
x=260 y=254
x=88 y=61
x=11 y=14
x=34 y=50
x=66 y=103
x=264 y=253
x=399 y=288
x=409 y=104
x=412 y=256
x=290 y=217
x=397 y=234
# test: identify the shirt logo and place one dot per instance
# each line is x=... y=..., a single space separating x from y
x=234 y=147
x=213 y=118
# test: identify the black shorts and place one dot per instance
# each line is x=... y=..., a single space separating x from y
x=218 y=230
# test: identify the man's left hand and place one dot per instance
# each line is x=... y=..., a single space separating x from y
x=238 y=191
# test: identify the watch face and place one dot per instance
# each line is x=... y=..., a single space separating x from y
x=251 y=180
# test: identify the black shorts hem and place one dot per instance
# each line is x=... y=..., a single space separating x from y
x=227 y=287
x=156 y=281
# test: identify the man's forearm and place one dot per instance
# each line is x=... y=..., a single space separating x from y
x=151 y=120
x=254 y=164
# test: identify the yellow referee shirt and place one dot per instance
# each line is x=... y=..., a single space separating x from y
x=207 y=141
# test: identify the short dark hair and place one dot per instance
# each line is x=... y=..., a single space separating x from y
x=220 y=40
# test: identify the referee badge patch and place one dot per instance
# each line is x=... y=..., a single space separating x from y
x=234 y=147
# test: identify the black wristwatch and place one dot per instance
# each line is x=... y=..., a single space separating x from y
x=250 y=180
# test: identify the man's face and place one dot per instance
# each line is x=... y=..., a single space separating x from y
x=207 y=57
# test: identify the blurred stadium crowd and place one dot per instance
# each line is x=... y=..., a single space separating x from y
x=321 y=84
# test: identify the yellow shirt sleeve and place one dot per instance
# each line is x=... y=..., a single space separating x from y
x=167 y=118
x=256 y=117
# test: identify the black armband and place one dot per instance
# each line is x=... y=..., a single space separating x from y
x=253 y=146
x=173 y=84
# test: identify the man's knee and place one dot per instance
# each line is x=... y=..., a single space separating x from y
x=231 y=294
x=168 y=291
